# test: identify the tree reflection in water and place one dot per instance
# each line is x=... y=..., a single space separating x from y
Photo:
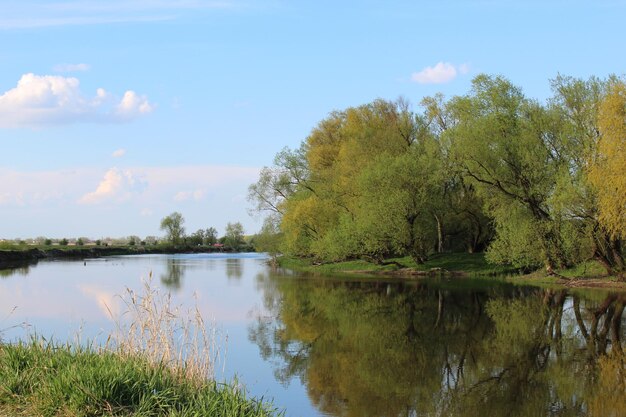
x=234 y=268
x=173 y=276
x=365 y=348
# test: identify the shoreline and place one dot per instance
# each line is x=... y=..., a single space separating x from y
x=17 y=257
x=477 y=268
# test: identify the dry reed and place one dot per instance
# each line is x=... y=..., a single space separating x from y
x=152 y=328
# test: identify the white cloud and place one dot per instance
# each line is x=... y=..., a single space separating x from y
x=116 y=186
x=119 y=153
x=441 y=73
x=133 y=105
x=40 y=100
x=121 y=201
x=71 y=67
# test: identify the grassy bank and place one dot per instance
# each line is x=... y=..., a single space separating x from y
x=160 y=360
x=43 y=379
x=589 y=274
x=455 y=263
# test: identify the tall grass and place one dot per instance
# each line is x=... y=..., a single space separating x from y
x=160 y=361
x=167 y=335
x=45 y=379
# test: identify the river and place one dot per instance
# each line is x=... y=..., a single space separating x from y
x=353 y=346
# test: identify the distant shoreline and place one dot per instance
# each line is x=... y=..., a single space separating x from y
x=16 y=257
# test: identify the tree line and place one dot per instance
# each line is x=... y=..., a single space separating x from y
x=532 y=184
x=175 y=234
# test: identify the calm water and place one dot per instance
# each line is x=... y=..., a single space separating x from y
x=357 y=346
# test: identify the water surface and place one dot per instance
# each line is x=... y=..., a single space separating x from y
x=338 y=346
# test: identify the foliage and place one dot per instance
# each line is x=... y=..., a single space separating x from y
x=173 y=227
x=492 y=169
x=607 y=170
x=234 y=235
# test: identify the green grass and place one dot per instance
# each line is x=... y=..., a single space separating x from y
x=469 y=263
x=40 y=378
x=589 y=269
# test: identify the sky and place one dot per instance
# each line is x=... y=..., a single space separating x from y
x=116 y=113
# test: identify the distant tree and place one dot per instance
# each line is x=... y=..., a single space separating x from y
x=234 y=235
x=151 y=240
x=63 y=242
x=80 y=242
x=133 y=240
x=98 y=242
x=173 y=227
x=196 y=238
x=48 y=242
x=210 y=236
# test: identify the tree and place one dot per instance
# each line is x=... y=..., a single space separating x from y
x=269 y=238
x=498 y=141
x=210 y=236
x=234 y=235
x=173 y=227
x=196 y=238
x=63 y=242
x=607 y=170
x=581 y=111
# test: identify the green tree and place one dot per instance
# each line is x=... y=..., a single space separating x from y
x=269 y=238
x=498 y=141
x=578 y=110
x=173 y=227
x=210 y=236
x=234 y=235
x=196 y=238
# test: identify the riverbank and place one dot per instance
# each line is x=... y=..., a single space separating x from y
x=11 y=257
x=453 y=264
x=40 y=378
x=587 y=275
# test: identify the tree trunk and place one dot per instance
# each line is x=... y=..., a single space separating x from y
x=439 y=234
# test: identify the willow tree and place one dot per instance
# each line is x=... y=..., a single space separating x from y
x=608 y=170
x=399 y=203
x=607 y=173
x=586 y=116
x=498 y=142
x=322 y=219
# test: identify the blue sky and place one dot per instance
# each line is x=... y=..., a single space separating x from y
x=115 y=113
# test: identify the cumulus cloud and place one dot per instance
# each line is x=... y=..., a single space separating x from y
x=116 y=186
x=441 y=73
x=119 y=153
x=133 y=105
x=41 y=100
x=71 y=67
